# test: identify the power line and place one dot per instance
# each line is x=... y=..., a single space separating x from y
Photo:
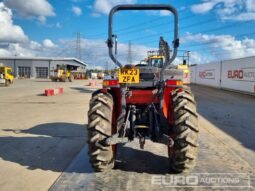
x=169 y=31
x=138 y=25
x=194 y=24
x=125 y=28
x=198 y=44
x=215 y=29
x=141 y=27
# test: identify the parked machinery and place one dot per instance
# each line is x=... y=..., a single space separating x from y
x=163 y=55
x=100 y=75
x=6 y=75
x=145 y=101
x=62 y=73
x=186 y=73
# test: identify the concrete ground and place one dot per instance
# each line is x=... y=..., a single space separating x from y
x=40 y=136
x=42 y=142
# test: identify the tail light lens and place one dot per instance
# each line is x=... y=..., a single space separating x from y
x=107 y=83
x=174 y=83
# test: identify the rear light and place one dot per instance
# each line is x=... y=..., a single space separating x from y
x=174 y=83
x=179 y=83
x=107 y=83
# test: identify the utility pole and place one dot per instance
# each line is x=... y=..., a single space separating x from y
x=106 y=67
x=78 y=45
x=129 y=58
x=188 y=54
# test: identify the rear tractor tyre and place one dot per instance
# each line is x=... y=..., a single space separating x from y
x=102 y=157
x=185 y=131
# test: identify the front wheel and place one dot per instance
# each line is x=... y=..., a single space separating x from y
x=102 y=157
x=184 y=153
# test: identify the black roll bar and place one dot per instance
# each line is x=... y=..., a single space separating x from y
x=144 y=7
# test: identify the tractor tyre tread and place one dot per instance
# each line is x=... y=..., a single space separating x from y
x=99 y=128
x=185 y=131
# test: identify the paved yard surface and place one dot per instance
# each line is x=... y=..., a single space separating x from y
x=40 y=136
x=42 y=142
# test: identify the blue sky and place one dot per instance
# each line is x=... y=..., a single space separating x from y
x=211 y=30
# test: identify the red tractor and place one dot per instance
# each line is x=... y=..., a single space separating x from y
x=145 y=101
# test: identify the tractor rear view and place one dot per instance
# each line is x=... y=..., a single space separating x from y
x=145 y=101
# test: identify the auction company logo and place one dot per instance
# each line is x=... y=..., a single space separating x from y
x=235 y=74
x=216 y=180
x=247 y=74
x=207 y=74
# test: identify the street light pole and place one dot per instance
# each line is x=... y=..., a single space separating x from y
x=188 y=54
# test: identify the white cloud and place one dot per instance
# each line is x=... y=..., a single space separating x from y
x=31 y=8
x=29 y=48
x=9 y=32
x=197 y=58
x=20 y=49
x=203 y=7
x=42 y=19
x=5 y=53
x=250 y=4
x=223 y=46
x=241 y=10
x=194 y=58
x=34 y=45
x=104 y=6
x=47 y=43
x=77 y=10
x=94 y=52
x=241 y=17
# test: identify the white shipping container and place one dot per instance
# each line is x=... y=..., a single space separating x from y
x=208 y=74
x=239 y=74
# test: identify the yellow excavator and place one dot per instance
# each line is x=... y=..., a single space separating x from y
x=6 y=75
x=158 y=57
x=62 y=73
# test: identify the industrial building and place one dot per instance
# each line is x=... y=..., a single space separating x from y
x=36 y=67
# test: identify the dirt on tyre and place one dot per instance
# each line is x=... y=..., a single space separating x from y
x=102 y=157
x=184 y=152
